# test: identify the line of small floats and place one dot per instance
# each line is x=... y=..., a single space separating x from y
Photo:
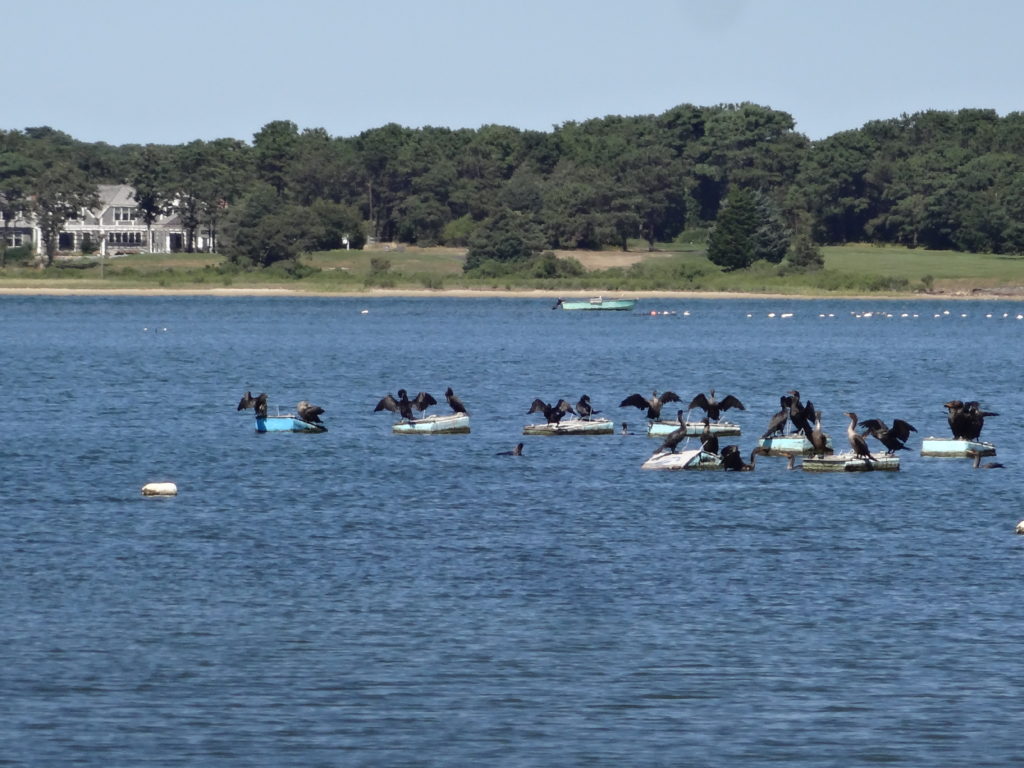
x=805 y=438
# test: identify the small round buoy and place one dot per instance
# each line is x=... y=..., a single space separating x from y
x=365 y=312
x=1020 y=527
x=159 y=489
x=653 y=312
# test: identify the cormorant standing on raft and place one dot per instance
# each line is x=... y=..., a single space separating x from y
x=712 y=407
x=552 y=414
x=818 y=438
x=857 y=441
x=403 y=406
x=259 y=403
x=800 y=414
x=652 y=404
x=583 y=408
x=454 y=402
x=675 y=437
x=308 y=412
x=777 y=424
x=894 y=438
x=708 y=441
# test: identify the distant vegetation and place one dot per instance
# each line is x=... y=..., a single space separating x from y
x=757 y=199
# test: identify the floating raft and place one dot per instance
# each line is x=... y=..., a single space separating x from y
x=286 y=423
x=694 y=460
x=598 y=302
x=452 y=424
x=957 y=449
x=849 y=462
x=572 y=427
x=693 y=428
x=797 y=444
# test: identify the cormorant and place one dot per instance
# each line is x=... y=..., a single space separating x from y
x=258 y=403
x=583 y=408
x=652 y=404
x=857 y=441
x=625 y=429
x=733 y=461
x=674 y=437
x=714 y=407
x=403 y=406
x=455 y=402
x=708 y=441
x=309 y=412
x=975 y=419
x=553 y=414
x=517 y=451
x=800 y=414
x=987 y=464
x=818 y=438
x=777 y=424
x=894 y=438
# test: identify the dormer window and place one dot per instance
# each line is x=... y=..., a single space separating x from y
x=125 y=213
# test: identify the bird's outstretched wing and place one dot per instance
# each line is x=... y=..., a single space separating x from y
x=637 y=400
x=874 y=426
x=669 y=397
x=902 y=429
x=700 y=401
x=539 y=406
x=423 y=400
x=247 y=401
x=564 y=406
x=731 y=401
x=387 y=403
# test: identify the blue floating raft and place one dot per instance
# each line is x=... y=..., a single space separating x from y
x=948 y=447
x=787 y=444
x=453 y=424
x=693 y=428
x=286 y=423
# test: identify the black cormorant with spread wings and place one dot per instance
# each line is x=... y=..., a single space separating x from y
x=403 y=406
x=894 y=438
x=801 y=415
x=713 y=407
x=258 y=403
x=652 y=404
x=552 y=413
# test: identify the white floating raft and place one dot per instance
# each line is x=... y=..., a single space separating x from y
x=452 y=424
x=787 y=444
x=850 y=462
x=572 y=427
x=159 y=489
x=947 y=447
x=693 y=428
x=693 y=460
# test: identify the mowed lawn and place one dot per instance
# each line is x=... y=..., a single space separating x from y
x=914 y=264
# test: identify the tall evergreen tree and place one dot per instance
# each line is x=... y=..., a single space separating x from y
x=732 y=243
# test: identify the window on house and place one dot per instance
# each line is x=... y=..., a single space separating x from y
x=125 y=214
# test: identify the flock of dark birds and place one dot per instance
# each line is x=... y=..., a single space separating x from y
x=966 y=420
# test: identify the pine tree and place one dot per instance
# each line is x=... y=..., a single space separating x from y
x=732 y=243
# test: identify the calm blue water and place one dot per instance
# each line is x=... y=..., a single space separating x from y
x=360 y=598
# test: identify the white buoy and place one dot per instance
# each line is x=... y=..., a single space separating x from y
x=1020 y=527
x=159 y=489
x=365 y=312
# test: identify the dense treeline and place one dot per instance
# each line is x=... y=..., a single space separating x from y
x=933 y=180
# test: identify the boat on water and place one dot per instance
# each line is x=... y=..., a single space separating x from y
x=572 y=427
x=693 y=428
x=286 y=423
x=786 y=444
x=693 y=460
x=452 y=424
x=597 y=302
x=850 y=462
x=948 y=447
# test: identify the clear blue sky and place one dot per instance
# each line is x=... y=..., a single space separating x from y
x=140 y=72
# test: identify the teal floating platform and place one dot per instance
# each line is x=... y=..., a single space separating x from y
x=286 y=423
x=598 y=302
x=693 y=428
x=453 y=424
x=787 y=444
x=572 y=427
x=948 y=447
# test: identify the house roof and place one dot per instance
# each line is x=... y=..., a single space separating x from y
x=116 y=194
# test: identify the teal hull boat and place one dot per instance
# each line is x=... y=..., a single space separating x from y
x=572 y=427
x=694 y=460
x=598 y=302
x=693 y=428
x=286 y=423
x=790 y=444
x=849 y=462
x=454 y=424
x=947 y=447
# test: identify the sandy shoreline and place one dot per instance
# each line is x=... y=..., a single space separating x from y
x=461 y=293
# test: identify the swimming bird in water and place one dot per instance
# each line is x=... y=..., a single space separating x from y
x=625 y=429
x=987 y=464
x=894 y=438
x=732 y=460
x=777 y=423
x=713 y=407
x=673 y=438
x=309 y=412
x=652 y=404
x=403 y=406
x=454 y=402
x=517 y=451
x=818 y=438
x=857 y=441
x=258 y=403
x=583 y=408
x=552 y=413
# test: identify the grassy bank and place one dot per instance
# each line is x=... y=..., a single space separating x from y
x=849 y=270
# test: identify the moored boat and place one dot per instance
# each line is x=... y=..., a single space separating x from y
x=787 y=444
x=286 y=423
x=598 y=302
x=693 y=428
x=452 y=424
x=948 y=447
x=572 y=427
x=850 y=462
x=694 y=460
